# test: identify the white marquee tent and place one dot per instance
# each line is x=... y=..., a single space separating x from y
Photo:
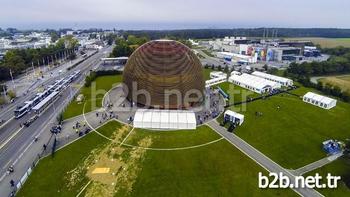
x=234 y=116
x=217 y=74
x=281 y=80
x=215 y=81
x=319 y=100
x=253 y=83
x=164 y=119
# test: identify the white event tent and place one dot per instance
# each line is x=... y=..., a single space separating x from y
x=164 y=119
x=253 y=83
x=319 y=100
x=281 y=80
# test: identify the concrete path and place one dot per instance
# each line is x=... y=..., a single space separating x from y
x=259 y=158
x=316 y=164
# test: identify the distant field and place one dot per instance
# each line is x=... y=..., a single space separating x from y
x=326 y=42
x=342 y=81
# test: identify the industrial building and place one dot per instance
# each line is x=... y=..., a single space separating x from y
x=234 y=57
x=253 y=83
x=284 y=54
x=319 y=100
x=164 y=119
x=281 y=80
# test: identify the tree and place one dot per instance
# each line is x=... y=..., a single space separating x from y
x=121 y=50
x=219 y=68
x=336 y=91
x=2 y=100
x=265 y=67
x=11 y=94
x=226 y=69
x=319 y=86
x=54 y=36
x=14 y=61
x=212 y=67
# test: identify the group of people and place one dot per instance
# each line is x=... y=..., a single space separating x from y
x=106 y=115
x=214 y=110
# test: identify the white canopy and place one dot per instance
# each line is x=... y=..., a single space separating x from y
x=234 y=116
x=164 y=119
x=256 y=84
x=319 y=100
x=283 y=81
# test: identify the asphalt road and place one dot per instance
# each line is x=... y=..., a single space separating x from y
x=259 y=158
x=16 y=144
x=7 y=111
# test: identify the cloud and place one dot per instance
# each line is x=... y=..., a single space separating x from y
x=204 y=13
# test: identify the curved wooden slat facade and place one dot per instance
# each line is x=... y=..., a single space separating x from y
x=161 y=66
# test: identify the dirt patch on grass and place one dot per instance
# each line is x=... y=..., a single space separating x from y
x=128 y=174
x=123 y=163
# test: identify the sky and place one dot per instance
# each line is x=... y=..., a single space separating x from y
x=173 y=14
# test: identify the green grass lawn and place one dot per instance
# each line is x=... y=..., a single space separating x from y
x=218 y=169
x=292 y=135
x=206 y=73
x=49 y=176
x=340 y=167
x=176 y=139
x=102 y=85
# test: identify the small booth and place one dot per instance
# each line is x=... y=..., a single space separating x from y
x=331 y=147
x=231 y=116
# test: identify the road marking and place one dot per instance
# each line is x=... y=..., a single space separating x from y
x=9 y=139
x=6 y=123
x=81 y=191
x=127 y=136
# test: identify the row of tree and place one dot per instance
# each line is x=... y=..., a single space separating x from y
x=248 y=32
x=16 y=61
x=125 y=47
x=338 y=63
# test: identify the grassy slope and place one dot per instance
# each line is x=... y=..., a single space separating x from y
x=48 y=178
x=342 y=81
x=341 y=167
x=103 y=84
x=292 y=135
x=218 y=169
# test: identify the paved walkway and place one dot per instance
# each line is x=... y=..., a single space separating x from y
x=317 y=164
x=259 y=158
